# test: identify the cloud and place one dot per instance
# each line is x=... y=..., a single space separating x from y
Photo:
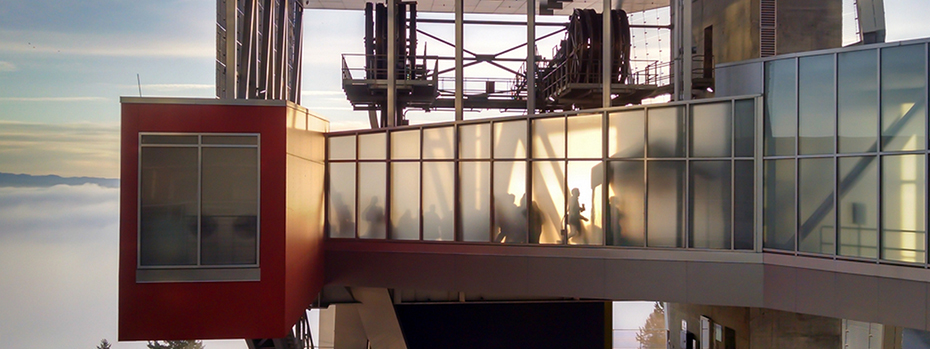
x=77 y=149
x=52 y=99
x=7 y=67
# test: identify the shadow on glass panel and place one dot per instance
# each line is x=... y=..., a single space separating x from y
x=574 y=218
x=374 y=216
x=406 y=227
x=343 y=222
x=626 y=225
x=436 y=226
x=511 y=223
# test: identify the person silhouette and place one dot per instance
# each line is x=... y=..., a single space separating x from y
x=344 y=226
x=531 y=211
x=575 y=217
x=374 y=215
x=432 y=225
x=614 y=236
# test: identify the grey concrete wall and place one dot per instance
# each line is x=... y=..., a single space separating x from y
x=805 y=25
x=736 y=318
x=779 y=329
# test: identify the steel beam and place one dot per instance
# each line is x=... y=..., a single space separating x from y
x=531 y=57
x=391 y=63
x=459 y=58
x=606 y=63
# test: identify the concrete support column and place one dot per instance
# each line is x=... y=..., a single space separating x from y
x=687 y=57
x=231 y=71
x=607 y=65
x=391 y=63
x=675 y=48
x=530 y=57
x=459 y=59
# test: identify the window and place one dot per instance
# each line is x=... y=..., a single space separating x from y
x=198 y=206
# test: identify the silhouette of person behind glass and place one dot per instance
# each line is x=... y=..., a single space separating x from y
x=512 y=229
x=344 y=225
x=374 y=215
x=575 y=217
x=614 y=237
x=432 y=226
x=535 y=219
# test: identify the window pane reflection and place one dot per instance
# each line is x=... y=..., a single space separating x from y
x=475 y=142
x=744 y=127
x=781 y=117
x=405 y=145
x=903 y=111
x=438 y=201
x=778 y=206
x=666 y=181
x=371 y=194
x=816 y=228
x=510 y=140
x=405 y=200
x=438 y=143
x=229 y=206
x=858 y=207
x=710 y=204
x=585 y=139
x=474 y=203
x=510 y=203
x=627 y=134
x=666 y=132
x=857 y=101
x=168 y=217
x=627 y=192
x=815 y=104
x=903 y=208
x=743 y=205
x=710 y=130
x=549 y=138
x=585 y=198
x=549 y=198
x=342 y=200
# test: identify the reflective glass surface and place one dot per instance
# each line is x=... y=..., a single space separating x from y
x=371 y=194
x=510 y=221
x=475 y=200
x=229 y=206
x=781 y=116
x=585 y=136
x=666 y=206
x=549 y=138
x=510 y=140
x=778 y=204
x=904 y=81
x=405 y=145
x=711 y=126
x=342 y=200
x=857 y=101
x=666 y=132
x=230 y=140
x=438 y=143
x=627 y=198
x=858 y=207
x=743 y=205
x=627 y=134
x=168 y=213
x=475 y=142
x=342 y=148
x=439 y=201
x=903 y=209
x=405 y=200
x=710 y=205
x=549 y=198
x=816 y=228
x=815 y=104
x=744 y=127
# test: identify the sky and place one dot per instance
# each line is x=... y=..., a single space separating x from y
x=63 y=67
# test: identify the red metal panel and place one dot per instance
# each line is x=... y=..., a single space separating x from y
x=208 y=310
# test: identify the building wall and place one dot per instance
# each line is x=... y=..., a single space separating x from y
x=778 y=329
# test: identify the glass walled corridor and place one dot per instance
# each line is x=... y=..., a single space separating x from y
x=677 y=175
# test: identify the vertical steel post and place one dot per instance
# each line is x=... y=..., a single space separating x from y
x=606 y=62
x=687 y=60
x=459 y=59
x=231 y=40
x=530 y=58
x=391 y=63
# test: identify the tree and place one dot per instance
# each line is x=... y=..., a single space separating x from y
x=652 y=334
x=104 y=344
x=185 y=344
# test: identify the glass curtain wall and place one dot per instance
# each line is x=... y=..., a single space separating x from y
x=675 y=176
x=849 y=180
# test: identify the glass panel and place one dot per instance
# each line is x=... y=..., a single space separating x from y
x=439 y=201
x=666 y=210
x=816 y=228
x=743 y=205
x=666 y=132
x=342 y=148
x=815 y=104
x=230 y=140
x=549 y=138
x=626 y=225
x=229 y=206
x=474 y=203
x=586 y=195
x=371 y=194
x=903 y=208
x=405 y=200
x=372 y=146
x=342 y=200
x=549 y=198
x=858 y=207
x=510 y=140
x=585 y=136
x=510 y=219
x=710 y=130
x=405 y=144
x=168 y=199
x=744 y=127
x=781 y=116
x=778 y=212
x=903 y=111
x=710 y=204
x=627 y=134
x=167 y=139
x=857 y=101
x=475 y=142
x=438 y=143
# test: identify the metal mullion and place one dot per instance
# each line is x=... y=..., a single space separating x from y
x=457 y=186
x=686 y=220
x=880 y=233
x=420 y=203
x=605 y=191
x=491 y=206
x=797 y=152
x=645 y=161
x=836 y=161
x=199 y=195
x=565 y=189
x=732 y=175
x=528 y=170
x=926 y=168
x=356 y=184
